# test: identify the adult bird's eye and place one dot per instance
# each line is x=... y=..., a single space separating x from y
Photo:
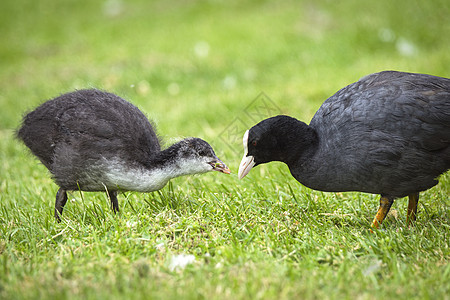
x=254 y=143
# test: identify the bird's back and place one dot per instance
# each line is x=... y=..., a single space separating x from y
x=75 y=132
x=387 y=133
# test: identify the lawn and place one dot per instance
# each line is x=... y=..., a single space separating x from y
x=212 y=69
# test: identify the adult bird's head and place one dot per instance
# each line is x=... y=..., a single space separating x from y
x=279 y=138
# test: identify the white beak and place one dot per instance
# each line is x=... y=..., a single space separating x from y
x=247 y=162
x=246 y=165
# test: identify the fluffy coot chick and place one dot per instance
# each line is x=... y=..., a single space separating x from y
x=387 y=134
x=96 y=141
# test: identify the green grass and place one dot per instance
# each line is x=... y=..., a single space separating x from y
x=266 y=237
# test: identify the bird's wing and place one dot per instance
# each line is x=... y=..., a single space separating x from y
x=109 y=125
x=412 y=106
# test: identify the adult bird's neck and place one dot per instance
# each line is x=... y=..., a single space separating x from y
x=299 y=144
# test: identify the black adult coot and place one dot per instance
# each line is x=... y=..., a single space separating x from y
x=92 y=140
x=387 y=134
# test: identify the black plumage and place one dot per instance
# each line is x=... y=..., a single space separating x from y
x=96 y=141
x=387 y=134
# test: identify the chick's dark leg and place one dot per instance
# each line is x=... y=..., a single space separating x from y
x=385 y=206
x=412 y=208
x=61 y=199
x=114 y=203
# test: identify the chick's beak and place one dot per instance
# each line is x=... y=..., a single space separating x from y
x=218 y=165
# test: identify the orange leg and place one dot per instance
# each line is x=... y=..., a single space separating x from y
x=412 y=208
x=385 y=205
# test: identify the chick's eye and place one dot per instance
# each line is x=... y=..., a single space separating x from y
x=254 y=143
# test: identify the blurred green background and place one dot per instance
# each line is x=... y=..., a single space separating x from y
x=195 y=67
